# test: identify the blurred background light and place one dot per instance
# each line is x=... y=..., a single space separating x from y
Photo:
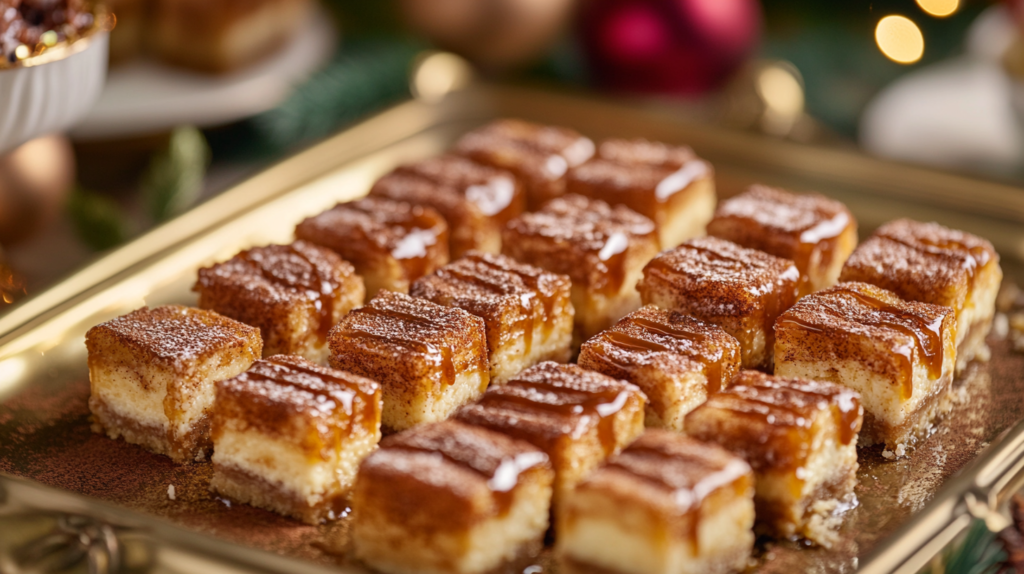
x=939 y=8
x=899 y=39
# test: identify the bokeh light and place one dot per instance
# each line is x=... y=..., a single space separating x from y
x=899 y=39
x=939 y=8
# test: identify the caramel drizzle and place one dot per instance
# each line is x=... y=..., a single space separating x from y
x=927 y=337
x=429 y=349
x=847 y=416
x=689 y=481
x=418 y=228
x=712 y=365
x=323 y=287
x=277 y=377
x=977 y=256
x=775 y=302
x=501 y=482
x=610 y=401
x=525 y=322
x=820 y=236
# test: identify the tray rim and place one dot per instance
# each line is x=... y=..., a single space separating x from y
x=942 y=517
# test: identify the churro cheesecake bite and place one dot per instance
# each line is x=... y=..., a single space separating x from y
x=601 y=248
x=540 y=156
x=741 y=290
x=450 y=498
x=677 y=361
x=293 y=293
x=475 y=199
x=814 y=232
x=578 y=417
x=152 y=374
x=429 y=359
x=899 y=355
x=288 y=436
x=390 y=243
x=668 y=184
x=800 y=437
x=930 y=263
x=527 y=311
x=668 y=504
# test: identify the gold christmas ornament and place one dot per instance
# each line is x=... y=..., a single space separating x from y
x=495 y=34
x=34 y=181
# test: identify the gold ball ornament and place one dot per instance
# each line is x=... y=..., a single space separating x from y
x=35 y=179
x=495 y=34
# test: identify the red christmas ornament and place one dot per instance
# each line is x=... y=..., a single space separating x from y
x=668 y=46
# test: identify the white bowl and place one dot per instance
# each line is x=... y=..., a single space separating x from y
x=49 y=93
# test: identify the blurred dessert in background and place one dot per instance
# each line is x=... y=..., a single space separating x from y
x=128 y=35
x=221 y=35
x=214 y=36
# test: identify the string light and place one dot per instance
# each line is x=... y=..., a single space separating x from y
x=939 y=8
x=899 y=39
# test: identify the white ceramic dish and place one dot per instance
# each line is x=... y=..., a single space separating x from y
x=49 y=93
x=145 y=97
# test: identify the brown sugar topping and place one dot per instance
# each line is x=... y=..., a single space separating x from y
x=852 y=307
x=306 y=389
x=300 y=268
x=791 y=402
x=589 y=239
x=687 y=470
x=495 y=457
x=539 y=155
x=933 y=238
x=565 y=143
x=414 y=324
x=784 y=224
x=495 y=192
x=639 y=174
x=484 y=284
x=175 y=335
x=728 y=280
x=652 y=330
x=407 y=232
x=578 y=399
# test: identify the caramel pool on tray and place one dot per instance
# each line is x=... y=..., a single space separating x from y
x=527 y=311
x=677 y=361
x=288 y=436
x=293 y=293
x=429 y=359
x=668 y=504
x=578 y=417
x=898 y=355
x=668 y=184
x=475 y=199
x=813 y=231
x=152 y=374
x=540 y=156
x=741 y=290
x=930 y=263
x=390 y=243
x=601 y=248
x=451 y=498
x=799 y=436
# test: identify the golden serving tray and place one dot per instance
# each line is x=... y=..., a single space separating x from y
x=69 y=495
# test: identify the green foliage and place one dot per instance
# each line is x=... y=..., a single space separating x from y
x=365 y=77
x=98 y=220
x=980 y=552
x=174 y=178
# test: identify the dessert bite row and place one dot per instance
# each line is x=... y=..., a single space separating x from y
x=495 y=433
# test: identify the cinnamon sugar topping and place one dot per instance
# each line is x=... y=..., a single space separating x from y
x=879 y=314
x=175 y=335
x=583 y=238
